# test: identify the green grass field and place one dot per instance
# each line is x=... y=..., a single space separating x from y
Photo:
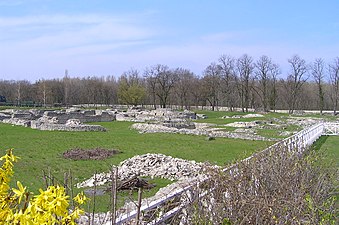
x=330 y=146
x=42 y=151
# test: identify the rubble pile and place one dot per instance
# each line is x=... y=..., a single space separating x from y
x=150 y=165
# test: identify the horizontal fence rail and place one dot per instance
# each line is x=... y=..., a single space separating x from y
x=298 y=141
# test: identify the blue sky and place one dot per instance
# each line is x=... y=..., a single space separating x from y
x=42 y=38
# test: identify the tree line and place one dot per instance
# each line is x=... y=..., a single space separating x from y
x=229 y=82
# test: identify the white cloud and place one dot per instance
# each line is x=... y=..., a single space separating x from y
x=46 y=44
x=55 y=32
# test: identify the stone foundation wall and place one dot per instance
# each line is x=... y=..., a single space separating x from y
x=83 y=116
x=63 y=127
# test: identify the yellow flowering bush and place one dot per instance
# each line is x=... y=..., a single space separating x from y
x=18 y=206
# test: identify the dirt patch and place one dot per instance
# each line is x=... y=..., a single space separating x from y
x=94 y=154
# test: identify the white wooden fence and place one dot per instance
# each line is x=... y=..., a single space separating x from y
x=298 y=141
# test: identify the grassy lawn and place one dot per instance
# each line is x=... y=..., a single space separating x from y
x=330 y=147
x=273 y=133
x=42 y=150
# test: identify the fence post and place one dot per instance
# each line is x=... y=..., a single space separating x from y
x=138 y=206
x=114 y=193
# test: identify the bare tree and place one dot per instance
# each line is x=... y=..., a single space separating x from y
x=318 y=75
x=334 y=81
x=165 y=83
x=109 y=91
x=78 y=91
x=228 y=88
x=245 y=69
x=18 y=94
x=57 y=91
x=7 y=89
x=266 y=72
x=92 y=89
x=23 y=91
x=273 y=89
x=295 y=81
x=183 y=86
x=151 y=80
x=161 y=81
x=197 y=92
x=211 y=84
x=43 y=91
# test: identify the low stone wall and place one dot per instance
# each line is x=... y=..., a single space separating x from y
x=210 y=132
x=64 y=127
x=17 y=122
x=4 y=116
x=82 y=115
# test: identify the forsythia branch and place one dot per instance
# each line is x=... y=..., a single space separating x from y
x=51 y=206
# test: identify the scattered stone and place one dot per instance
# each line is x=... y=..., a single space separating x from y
x=285 y=133
x=47 y=119
x=17 y=122
x=252 y=115
x=73 y=122
x=243 y=124
x=178 y=123
x=202 y=116
x=243 y=116
x=243 y=130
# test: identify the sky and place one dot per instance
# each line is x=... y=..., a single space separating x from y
x=40 y=39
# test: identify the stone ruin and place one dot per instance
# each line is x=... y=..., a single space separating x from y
x=148 y=121
x=157 y=115
x=73 y=119
x=63 y=120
